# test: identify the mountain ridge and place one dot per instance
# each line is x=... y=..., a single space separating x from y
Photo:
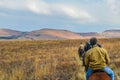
x=112 y=30
x=51 y=34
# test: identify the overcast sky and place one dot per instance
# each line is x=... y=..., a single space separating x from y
x=74 y=15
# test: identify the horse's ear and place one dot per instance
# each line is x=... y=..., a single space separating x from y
x=99 y=76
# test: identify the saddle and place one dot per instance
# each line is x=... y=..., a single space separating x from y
x=99 y=70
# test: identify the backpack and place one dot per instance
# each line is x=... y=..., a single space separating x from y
x=80 y=52
x=87 y=46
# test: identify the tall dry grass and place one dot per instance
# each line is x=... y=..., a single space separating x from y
x=49 y=59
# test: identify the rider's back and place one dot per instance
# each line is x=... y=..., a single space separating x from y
x=96 y=58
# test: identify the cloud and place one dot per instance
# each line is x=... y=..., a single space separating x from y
x=41 y=7
x=114 y=6
x=71 y=11
x=13 y=4
x=79 y=14
x=68 y=11
x=51 y=9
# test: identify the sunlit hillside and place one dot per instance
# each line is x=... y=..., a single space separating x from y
x=50 y=59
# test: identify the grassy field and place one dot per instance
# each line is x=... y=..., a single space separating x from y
x=50 y=59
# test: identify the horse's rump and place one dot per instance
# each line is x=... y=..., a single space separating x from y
x=99 y=76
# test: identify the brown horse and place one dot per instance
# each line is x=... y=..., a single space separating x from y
x=99 y=76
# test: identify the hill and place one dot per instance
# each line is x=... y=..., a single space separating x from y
x=113 y=30
x=10 y=34
x=114 y=33
x=55 y=34
x=50 y=34
x=90 y=34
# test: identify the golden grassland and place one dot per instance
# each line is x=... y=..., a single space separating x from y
x=50 y=59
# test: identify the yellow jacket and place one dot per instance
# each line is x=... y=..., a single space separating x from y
x=96 y=58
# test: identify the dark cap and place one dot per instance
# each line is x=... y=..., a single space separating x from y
x=93 y=41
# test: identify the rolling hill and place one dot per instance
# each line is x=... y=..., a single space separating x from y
x=55 y=34
x=10 y=34
x=50 y=34
x=113 y=33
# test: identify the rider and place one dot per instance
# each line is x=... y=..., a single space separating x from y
x=81 y=50
x=97 y=59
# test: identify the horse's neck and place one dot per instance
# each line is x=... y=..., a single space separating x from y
x=99 y=76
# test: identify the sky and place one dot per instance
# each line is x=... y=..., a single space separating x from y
x=73 y=15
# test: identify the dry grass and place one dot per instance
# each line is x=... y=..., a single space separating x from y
x=49 y=60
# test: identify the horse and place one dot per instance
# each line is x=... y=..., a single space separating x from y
x=99 y=76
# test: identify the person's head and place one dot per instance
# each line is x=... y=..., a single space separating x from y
x=93 y=41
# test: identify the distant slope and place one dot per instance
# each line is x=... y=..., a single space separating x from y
x=55 y=34
x=9 y=34
x=51 y=34
x=113 y=30
x=115 y=33
x=90 y=34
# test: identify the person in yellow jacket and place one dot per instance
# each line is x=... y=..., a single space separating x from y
x=97 y=58
x=81 y=50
